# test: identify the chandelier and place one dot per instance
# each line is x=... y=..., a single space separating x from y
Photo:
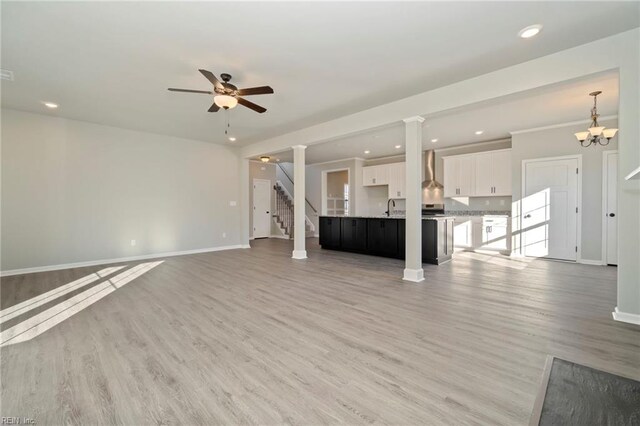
x=597 y=134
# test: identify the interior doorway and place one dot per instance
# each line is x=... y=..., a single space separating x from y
x=335 y=192
x=261 y=208
x=551 y=207
x=610 y=207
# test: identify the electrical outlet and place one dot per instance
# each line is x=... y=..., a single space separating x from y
x=233 y=203
x=133 y=243
x=486 y=202
x=224 y=235
x=502 y=202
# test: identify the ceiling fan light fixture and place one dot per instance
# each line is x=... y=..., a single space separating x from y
x=225 y=101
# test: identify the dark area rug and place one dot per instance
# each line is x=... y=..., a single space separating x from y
x=578 y=395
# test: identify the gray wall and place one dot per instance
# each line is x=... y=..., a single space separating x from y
x=74 y=191
x=558 y=142
x=267 y=171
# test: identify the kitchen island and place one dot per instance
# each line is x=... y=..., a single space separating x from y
x=385 y=236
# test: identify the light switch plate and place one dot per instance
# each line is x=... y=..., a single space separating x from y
x=233 y=203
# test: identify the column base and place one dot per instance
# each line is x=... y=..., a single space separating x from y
x=413 y=275
x=299 y=254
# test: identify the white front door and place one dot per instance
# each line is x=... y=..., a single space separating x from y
x=261 y=208
x=611 y=209
x=550 y=209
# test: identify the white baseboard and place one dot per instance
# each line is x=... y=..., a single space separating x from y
x=591 y=262
x=282 y=237
x=116 y=260
x=413 y=275
x=626 y=317
x=299 y=254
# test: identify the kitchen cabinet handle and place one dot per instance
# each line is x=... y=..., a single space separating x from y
x=527 y=216
x=612 y=215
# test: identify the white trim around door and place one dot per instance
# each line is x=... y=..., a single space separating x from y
x=578 y=158
x=606 y=210
x=261 y=208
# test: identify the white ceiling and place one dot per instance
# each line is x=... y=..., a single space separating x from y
x=543 y=107
x=111 y=62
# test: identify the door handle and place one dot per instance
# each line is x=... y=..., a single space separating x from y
x=612 y=215
x=527 y=216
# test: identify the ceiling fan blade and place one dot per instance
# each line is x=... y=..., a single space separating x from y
x=262 y=90
x=250 y=105
x=190 y=91
x=213 y=108
x=212 y=78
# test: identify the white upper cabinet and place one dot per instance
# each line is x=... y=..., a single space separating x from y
x=387 y=174
x=502 y=173
x=375 y=175
x=397 y=180
x=493 y=173
x=483 y=174
x=459 y=176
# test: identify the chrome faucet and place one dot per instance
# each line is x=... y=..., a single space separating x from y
x=388 y=212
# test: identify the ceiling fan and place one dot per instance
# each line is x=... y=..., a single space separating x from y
x=227 y=95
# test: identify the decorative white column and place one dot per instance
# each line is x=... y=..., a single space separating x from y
x=245 y=204
x=299 y=234
x=413 y=149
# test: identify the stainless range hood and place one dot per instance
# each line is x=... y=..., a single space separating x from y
x=432 y=190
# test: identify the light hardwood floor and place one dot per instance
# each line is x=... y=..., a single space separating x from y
x=254 y=337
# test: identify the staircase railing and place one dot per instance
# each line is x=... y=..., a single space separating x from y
x=292 y=183
x=284 y=210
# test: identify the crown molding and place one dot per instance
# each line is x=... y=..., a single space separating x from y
x=417 y=118
x=559 y=125
x=469 y=145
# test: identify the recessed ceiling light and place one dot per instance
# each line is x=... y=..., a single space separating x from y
x=367 y=152
x=277 y=159
x=434 y=140
x=479 y=132
x=530 y=31
x=398 y=146
x=232 y=139
x=50 y=105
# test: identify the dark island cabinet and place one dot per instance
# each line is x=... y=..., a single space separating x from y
x=437 y=241
x=386 y=237
x=382 y=237
x=354 y=234
x=330 y=232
